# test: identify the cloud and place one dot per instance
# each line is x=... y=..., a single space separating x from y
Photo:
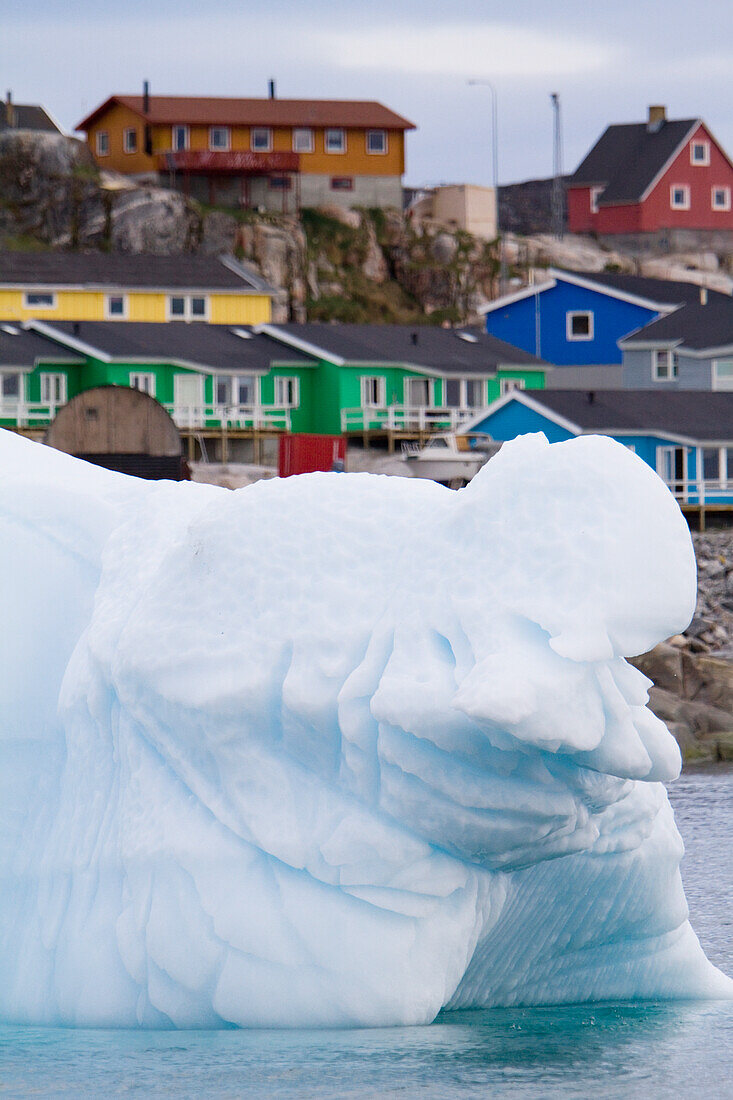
x=469 y=49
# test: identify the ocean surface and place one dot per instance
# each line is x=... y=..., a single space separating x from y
x=646 y=1051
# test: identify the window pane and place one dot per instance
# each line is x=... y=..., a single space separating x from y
x=303 y=141
x=335 y=141
x=261 y=139
x=9 y=385
x=729 y=461
x=35 y=299
x=221 y=390
x=376 y=141
x=245 y=390
x=711 y=464
x=178 y=307
x=116 y=306
x=580 y=324
x=474 y=393
x=198 y=307
x=453 y=393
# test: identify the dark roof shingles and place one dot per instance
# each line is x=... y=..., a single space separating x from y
x=697 y=326
x=699 y=414
x=626 y=159
x=118 y=269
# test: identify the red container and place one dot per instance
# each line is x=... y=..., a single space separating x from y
x=304 y=454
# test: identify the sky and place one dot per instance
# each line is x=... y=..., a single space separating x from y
x=607 y=62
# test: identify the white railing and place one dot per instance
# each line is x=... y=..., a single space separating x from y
x=28 y=414
x=400 y=418
x=701 y=491
x=231 y=417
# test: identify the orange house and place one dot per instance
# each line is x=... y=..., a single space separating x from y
x=277 y=153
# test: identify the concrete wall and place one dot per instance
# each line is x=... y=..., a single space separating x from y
x=465 y=206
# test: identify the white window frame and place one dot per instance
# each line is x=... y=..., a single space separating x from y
x=229 y=381
x=718 y=382
x=705 y=160
x=378 y=383
x=326 y=140
x=290 y=383
x=228 y=136
x=570 y=317
x=595 y=194
x=11 y=399
x=669 y=356
x=725 y=205
x=667 y=454
x=407 y=386
x=303 y=140
x=39 y=305
x=146 y=380
x=377 y=152
x=101 y=143
x=126 y=139
x=58 y=380
x=267 y=147
x=507 y=385
x=685 y=203
x=188 y=314
x=463 y=384
x=186 y=137
x=109 y=315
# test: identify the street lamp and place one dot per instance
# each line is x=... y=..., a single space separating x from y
x=495 y=167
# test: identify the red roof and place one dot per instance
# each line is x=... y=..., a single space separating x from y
x=215 y=111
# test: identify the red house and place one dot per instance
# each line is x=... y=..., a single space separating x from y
x=665 y=177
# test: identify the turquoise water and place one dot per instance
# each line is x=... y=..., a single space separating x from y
x=650 y=1051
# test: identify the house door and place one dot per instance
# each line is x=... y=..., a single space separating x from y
x=672 y=468
x=188 y=399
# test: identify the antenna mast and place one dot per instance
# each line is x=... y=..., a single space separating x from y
x=558 y=204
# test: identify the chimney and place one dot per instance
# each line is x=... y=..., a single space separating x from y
x=657 y=118
x=271 y=88
x=146 y=97
x=414 y=338
x=591 y=396
x=9 y=110
x=703 y=295
x=148 y=132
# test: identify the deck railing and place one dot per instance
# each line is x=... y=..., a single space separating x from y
x=28 y=414
x=700 y=490
x=231 y=417
x=403 y=418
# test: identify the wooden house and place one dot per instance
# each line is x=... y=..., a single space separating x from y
x=99 y=286
x=689 y=349
x=280 y=154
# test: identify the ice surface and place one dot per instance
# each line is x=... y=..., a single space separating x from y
x=338 y=749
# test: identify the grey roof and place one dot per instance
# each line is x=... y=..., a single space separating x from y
x=120 y=270
x=698 y=414
x=216 y=347
x=450 y=351
x=628 y=157
x=662 y=291
x=23 y=349
x=694 y=326
x=27 y=116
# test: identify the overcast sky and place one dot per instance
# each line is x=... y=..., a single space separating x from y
x=607 y=61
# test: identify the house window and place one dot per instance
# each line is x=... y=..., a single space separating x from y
x=376 y=141
x=179 y=138
x=302 y=141
x=335 y=141
x=235 y=389
x=595 y=194
x=261 y=139
x=342 y=183
x=419 y=393
x=723 y=374
x=129 y=140
x=102 y=143
x=720 y=198
x=664 y=365
x=10 y=386
x=373 y=392
x=286 y=392
x=145 y=382
x=579 y=325
x=279 y=183
x=464 y=393
x=39 y=299
x=700 y=153
x=116 y=306
x=182 y=307
x=219 y=138
x=53 y=389
x=506 y=385
x=679 y=196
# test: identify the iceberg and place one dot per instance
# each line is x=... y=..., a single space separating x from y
x=338 y=750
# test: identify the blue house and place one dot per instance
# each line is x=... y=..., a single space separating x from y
x=690 y=349
x=685 y=436
x=576 y=319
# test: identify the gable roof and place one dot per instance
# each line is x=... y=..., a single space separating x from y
x=656 y=294
x=695 y=415
x=627 y=158
x=696 y=326
x=26 y=116
x=215 y=110
x=429 y=349
x=133 y=271
x=24 y=349
x=199 y=346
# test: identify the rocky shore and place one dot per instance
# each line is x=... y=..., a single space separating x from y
x=693 y=672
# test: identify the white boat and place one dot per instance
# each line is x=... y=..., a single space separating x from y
x=451 y=458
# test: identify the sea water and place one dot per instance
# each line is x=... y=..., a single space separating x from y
x=649 y=1050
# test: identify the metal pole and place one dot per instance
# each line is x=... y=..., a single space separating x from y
x=495 y=168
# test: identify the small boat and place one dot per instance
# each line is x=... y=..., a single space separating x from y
x=452 y=458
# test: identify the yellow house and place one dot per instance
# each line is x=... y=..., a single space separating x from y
x=86 y=286
x=277 y=153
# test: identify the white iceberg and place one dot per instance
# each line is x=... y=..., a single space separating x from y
x=337 y=749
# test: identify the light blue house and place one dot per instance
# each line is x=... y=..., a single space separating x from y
x=685 y=436
x=576 y=319
x=690 y=349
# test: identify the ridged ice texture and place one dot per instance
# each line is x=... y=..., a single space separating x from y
x=338 y=749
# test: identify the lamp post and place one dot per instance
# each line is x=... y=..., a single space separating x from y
x=494 y=165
